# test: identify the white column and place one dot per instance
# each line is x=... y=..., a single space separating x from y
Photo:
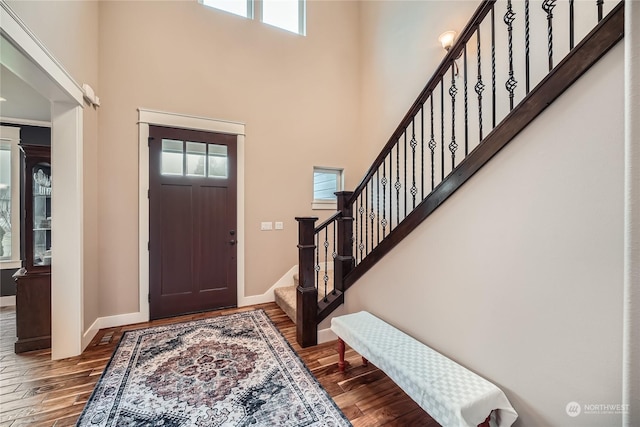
x=631 y=329
x=66 y=238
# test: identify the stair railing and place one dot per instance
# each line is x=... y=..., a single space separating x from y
x=320 y=250
x=459 y=121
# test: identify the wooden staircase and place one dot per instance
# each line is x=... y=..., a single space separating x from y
x=285 y=296
x=419 y=169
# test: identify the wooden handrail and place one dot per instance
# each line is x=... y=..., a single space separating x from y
x=347 y=269
x=482 y=11
x=599 y=41
x=326 y=223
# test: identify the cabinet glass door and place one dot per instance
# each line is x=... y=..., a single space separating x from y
x=41 y=214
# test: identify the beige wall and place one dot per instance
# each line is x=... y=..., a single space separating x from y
x=399 y=52
x=69 y=30
x=297 y=95
x=518 y=276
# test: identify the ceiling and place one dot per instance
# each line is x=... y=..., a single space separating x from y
x=22 y=101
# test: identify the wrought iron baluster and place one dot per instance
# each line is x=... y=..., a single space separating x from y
x=361 y=245
x=453 y=146
x=317 y=266
x=354 y=242
x=479 y=86
x=511 y=83
x=466 y=105
x=378 y=206
x=372 y=216
x=398 y=185
x=547 y=6
x=600 y=3
x=404 y=193
x=325 y=278
x=493 y=63
x=413 y=144
x=526 y=44
x=571 y=25
x=366 y=223
x=432 y=145
x=391 y=190
x=422 y=152
x=442 y=129
x=354 y=250
x=384 y=198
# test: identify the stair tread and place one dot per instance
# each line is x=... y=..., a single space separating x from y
x=291 y=290
x=285 y=296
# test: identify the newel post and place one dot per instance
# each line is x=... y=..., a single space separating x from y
x=344 y=261
x=306 y=293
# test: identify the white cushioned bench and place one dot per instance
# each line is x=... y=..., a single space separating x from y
x=450 y=393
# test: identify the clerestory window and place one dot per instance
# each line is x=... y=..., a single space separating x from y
x=289 y=15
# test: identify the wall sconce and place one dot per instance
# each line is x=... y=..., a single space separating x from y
x=447 y=39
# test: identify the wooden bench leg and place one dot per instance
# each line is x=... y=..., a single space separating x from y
x=341 y=354
x=365 y=362
x=486 y=423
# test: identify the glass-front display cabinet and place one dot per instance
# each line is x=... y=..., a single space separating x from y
x=33 y=293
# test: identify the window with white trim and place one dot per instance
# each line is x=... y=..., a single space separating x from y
x=242 y=8
x=288 y=15
x=9 y=197
x=326 y=181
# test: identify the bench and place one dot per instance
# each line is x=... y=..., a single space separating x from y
x=450 y=393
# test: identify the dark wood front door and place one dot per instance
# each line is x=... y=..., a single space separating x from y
x=192 y=221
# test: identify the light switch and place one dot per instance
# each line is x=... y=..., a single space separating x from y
x=279 y=225
x=266 y=226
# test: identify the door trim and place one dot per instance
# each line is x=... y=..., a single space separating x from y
x=148 y=117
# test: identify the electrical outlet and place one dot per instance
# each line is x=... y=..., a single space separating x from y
x=279 y=225
x=264 y=226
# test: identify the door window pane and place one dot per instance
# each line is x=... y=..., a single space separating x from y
x=217 y=161
x=196 y=157
x=171 y=162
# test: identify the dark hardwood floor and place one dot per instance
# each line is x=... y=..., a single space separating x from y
x=36 y=391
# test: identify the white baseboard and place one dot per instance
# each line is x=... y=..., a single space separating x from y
x=90 y=333
x=121 y=320
x=138 y=317
x=8 y=301
x=285 y=280
x=110 y=322
x=326 y=335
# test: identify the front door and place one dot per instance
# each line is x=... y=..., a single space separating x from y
x=192 y=221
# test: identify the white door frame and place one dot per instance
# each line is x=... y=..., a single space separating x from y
x=26 y=56
x=148 y=117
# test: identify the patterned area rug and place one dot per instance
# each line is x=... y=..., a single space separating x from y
x=234 y=370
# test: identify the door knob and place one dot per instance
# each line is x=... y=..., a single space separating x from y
x=232 y=242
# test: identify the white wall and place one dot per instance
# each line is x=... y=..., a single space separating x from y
x=518 y=276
